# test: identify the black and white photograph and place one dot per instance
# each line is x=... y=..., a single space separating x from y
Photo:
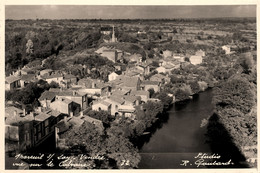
x=101 y=87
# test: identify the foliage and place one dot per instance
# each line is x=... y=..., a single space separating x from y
x=53 y=63
x=235 y=93
x=29 y=94
x=88 y=139
x=247 y=62
x=195 y=87
x=103 y=116
x=181 y=95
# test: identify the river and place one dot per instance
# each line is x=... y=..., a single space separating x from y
x=181 y=137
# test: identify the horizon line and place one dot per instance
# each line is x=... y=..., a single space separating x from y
x=131 y=18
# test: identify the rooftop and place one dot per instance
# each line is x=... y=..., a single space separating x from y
x=131 y=98
x=69 y=76
x=148 y=82
x=116 y=98
x=140 y=92
x=55 y=75
x=41 y=116
x=102 y=102
x=48 y=95
x=13 y=116
x=28 y=77
x=11 y=79
x=63 y=100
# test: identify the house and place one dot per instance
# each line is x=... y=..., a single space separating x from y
x=145 y=95
x=29 y=130
x=23 y=71
x=123 y=105
x=195 y=60
x=200 y=53
x=161 y=69
x=160 y=78
x=129 y=83
x=26 y=79
x=12 y=82
x=118 y=68
x=115 y=102
x=146 y=85
x=145 y=67
x=78 y=97
x=101 y=105
x=131 y=100
x=65 y=106
x=94 y=87
x=112 y=76
x=167 y=68
x=69 y=79
x=227 y=49
x=110 y=54
x=55 y=77
x=18 y=129
x=126 y=111
x=45 y=71
x=167 y=53
x=46 y=98
x=44 y=124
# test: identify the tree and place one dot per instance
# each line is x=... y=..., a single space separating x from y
x=165 y=99
x=122 y=151
x=195 y=87
x=54 y=84
x=235 y=93
x=181 y=95
x=90 y=141
x=247 y=62
x=103 y=116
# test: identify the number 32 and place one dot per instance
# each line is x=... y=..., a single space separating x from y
x=125 y=163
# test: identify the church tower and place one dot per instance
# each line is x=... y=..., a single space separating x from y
x=113 y=35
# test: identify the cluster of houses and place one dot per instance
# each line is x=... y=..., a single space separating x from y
x=171 y=61
x=66 y=107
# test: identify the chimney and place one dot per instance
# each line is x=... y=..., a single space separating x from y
x=24 y=112
x=31 y=114
x=71 y=114
x=15 y=112
x=93 y=85
x=65 y=118
x=45 y=101
x=81 y=114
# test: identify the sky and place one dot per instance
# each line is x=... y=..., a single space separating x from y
x=126 y=11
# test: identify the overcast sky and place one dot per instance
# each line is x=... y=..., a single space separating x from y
x=126 y=11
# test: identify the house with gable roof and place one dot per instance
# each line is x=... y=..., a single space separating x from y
x=101 y=105
x=155 y=85
x=12 y=82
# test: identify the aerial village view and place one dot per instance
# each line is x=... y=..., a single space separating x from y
x=130 y=93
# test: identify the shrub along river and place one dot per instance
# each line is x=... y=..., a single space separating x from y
x=176 y=141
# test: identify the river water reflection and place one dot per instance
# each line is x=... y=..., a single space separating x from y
x=181 y=137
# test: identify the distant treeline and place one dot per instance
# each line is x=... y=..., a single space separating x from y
x=198 y=20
